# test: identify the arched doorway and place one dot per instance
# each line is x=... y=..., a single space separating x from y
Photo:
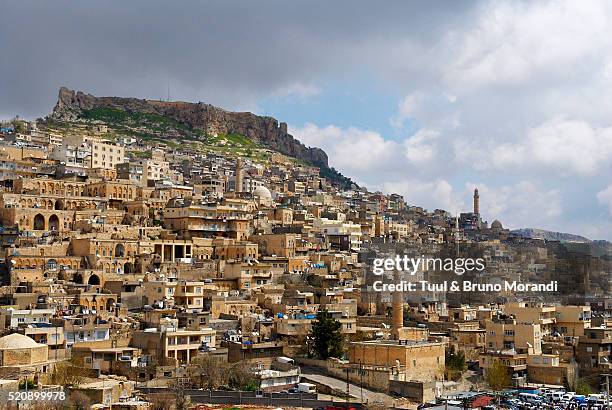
x=119 y=251
x=54 y=224
x=77 y=278
x=94 y=280
x=128 y=268
x=39 y=222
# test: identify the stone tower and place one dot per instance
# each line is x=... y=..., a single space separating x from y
x=397 y=310
x=476 y=202
x=238 y=187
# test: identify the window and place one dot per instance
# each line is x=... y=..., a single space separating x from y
x=52 y=264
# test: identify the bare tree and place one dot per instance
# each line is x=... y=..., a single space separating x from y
x=242 y=377
x=79 y=401
x=68 y=373
x=208 y=372
x=161 y=401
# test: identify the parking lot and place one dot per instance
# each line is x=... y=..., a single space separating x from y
x=553 y=399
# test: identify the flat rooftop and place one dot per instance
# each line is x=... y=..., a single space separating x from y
x=388 y=342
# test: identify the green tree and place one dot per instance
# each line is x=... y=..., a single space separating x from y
x=19 y=125
x=455 y=364
x=582 y=387
x=326 y=336
x=497 y=376
x=27 y=384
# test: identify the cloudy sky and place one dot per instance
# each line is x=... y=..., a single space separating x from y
x=427 y=100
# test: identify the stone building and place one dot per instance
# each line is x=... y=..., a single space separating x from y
x=17 y=350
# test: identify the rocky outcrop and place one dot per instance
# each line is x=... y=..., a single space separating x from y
x=264 y=130
x=533 y=233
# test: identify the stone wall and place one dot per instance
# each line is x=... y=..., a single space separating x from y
x=419 y=391
x=13 y=357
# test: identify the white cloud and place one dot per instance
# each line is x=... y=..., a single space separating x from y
x=573 y=147
x=407 y=108
x=518 y=205
x=298 y=89
x=428 y=194
x=513 y=43
x=605 y=198
x=515 y=97
x=351 y=150
x=420 y=148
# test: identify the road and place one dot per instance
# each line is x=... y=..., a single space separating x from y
x=354 y=390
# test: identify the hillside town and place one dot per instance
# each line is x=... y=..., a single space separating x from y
x=144 y=267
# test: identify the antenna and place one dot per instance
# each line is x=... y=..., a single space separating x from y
x=168 y=90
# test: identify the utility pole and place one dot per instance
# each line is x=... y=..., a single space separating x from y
x=347 y=388
x=607 y=376
x=361 y=381
x=56 y=340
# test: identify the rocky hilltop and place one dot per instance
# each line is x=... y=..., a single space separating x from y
x=208 y=118
x=550 y=235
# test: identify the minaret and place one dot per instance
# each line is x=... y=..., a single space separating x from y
x=476 y=202
x=397 y=310
x=238 y=187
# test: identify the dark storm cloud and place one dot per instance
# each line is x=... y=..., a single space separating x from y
x=230 y=53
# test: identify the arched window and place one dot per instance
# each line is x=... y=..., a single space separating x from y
x=54 y=224
x=39 y=222
x=51 y=264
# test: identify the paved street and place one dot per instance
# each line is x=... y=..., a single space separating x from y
x=354 y=390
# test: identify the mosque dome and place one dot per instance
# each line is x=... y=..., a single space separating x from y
x=496 y=225
x=262 y=192
x=17 y=341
